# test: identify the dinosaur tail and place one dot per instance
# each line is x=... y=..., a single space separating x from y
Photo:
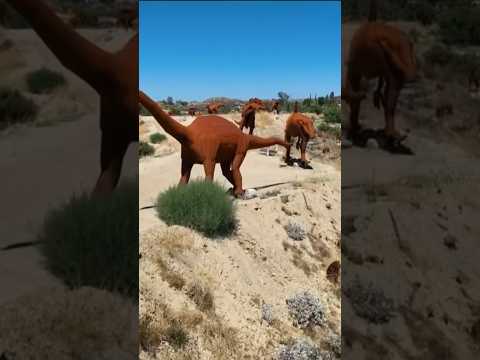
x=373 y=11
x=76 y=53
x=256 y=142
x=169 y=124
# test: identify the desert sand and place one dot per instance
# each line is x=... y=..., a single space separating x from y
x=257 y=265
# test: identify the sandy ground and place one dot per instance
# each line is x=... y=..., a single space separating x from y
x=409 y=230
x=258 y=264
x=43 y=164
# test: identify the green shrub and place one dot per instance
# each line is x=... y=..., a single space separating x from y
x=332 y=114
x=176 y=335
x=145 y=149
x=44 y=81
x=460 y=26
x=94 y=241
x=201 y=205
x=143 y=111
x=157 y=138
x=326 y=128
x=15 y=108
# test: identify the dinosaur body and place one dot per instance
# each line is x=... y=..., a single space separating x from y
x=248 y=114
x=384 y=52
x=113 y=76
x=301 y=127
x=209 y=140
x=213 y=108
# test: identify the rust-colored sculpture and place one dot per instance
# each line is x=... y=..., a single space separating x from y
x=113 y=76
x=213 y=108
x=378 y=51
x=248 y=114
x=209 y=140
x=299 y=126
x=275 y=106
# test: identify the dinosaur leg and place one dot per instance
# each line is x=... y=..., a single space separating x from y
x=392 y=92
x=186 y=170
x=209 y=166
x=111 y=158
x=354 y=106
x=237 y=176
x=227 y=172
x=303 y=151
x=288 y=139
x=377 y=95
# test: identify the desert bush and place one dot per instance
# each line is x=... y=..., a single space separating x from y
x=267 y=313
x=438 y=54
x=295 y=231
x=301 y=349
x=201 y=205
x=44 y=81
x=145 y=149
x=329 y=129
x=157 y=138
x=460 y=26
x=201 y=296
x=306 y=310
x=176 y=335
x=369 y=303
x=332 y=114
x=149 y=333
x=15 y=108
x=143 y=111
x=92 y=241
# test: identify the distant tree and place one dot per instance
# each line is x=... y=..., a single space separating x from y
x=169 y=100
x=283 y=97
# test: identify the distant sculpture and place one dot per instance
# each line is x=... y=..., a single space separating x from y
x=209 y=140
x=301 y=127
x=248 y=114
x=213 y=108
x=378 y=51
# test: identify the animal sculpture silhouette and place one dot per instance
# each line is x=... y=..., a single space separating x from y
x=208 y=140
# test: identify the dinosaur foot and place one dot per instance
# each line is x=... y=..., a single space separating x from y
x=289 y=162
x=392 y=144
x=244 y=195
x=305 y=165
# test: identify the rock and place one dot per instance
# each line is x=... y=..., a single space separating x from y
x=372 y=144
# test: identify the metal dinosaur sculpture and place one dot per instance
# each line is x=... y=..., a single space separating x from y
x=248 y=114
x=114 y=76
x=378 y=51
x=213 y=108
x=208 y=140
x=301 y=127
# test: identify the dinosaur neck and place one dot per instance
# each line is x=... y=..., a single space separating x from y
x=169 y=124
x=256 y=142
x=74 y=52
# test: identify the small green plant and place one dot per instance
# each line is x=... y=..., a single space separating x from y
x=44 y=81
x=93 y=241
x=336 y=131
x=157 y=138
x=15 y=108
x=145 y=149
x=332 y=114
x=176 y=336
x=201 y=205
x=201 y=296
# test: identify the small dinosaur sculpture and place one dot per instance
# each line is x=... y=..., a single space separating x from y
x=213 y=108
x=192 y=111
x=248 y=114
x=209 y=140
x=299 y=126
x=378 y=51
x=114 y=76
x=275 y=106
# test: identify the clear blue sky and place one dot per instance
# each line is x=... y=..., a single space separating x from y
x=201 y=49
